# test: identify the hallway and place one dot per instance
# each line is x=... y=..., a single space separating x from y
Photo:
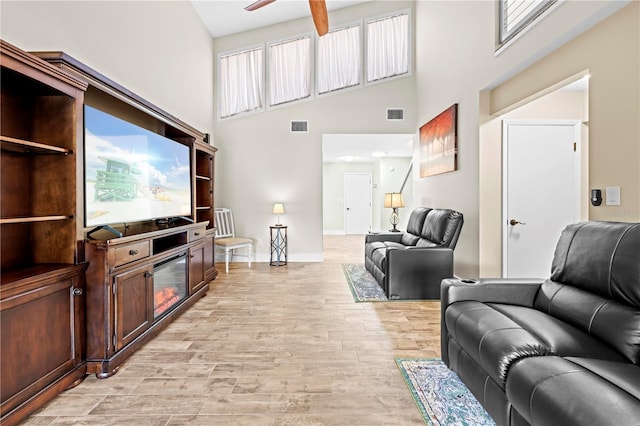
x=268 y=346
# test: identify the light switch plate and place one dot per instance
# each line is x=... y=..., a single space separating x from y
x=613 y=195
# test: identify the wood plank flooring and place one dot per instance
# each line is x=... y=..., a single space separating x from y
x=268 y=346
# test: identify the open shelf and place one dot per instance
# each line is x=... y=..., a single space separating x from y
x=28 y=147
x=33 y=219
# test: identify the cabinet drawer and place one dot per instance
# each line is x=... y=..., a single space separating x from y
x=131 y=252
x=196 y=234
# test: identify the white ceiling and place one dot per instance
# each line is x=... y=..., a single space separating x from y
x=224 y=17
x=359 y=147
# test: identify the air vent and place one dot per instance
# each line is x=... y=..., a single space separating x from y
x=299 y=126
x=395 y=114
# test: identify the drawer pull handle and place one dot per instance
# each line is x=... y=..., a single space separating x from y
x=77 y=291
x=196 y=234
x=133 y=252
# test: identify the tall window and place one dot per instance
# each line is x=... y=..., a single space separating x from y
x=338 y=64
x=289 y=71
x=387 y=47
x=241 y=77
x=516 y=15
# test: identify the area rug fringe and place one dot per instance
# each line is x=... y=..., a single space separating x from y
x=440 y=395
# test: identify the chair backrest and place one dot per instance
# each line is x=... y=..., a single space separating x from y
x=224 y=223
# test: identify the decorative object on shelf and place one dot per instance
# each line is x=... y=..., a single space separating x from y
x=393 y=200
x=439 y=143
x=278 y=245
x=278 y=208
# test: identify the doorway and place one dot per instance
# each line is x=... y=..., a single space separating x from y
x=357 y=203
x=541 y=192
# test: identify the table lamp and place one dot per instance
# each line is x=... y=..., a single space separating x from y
x=278 y=208
x=394 y=200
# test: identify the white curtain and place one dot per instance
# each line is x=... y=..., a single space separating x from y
x=289 y=71
x=339 y=59
x=241 y=82
x=387 y=47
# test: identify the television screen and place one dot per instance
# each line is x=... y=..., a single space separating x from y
x=132 y=174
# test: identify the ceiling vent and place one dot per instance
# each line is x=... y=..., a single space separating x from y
x=299 y=126
x=395 y=114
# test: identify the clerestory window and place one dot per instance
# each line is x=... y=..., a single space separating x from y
x=241 y=82
x=289 y=70
x=516 y=15
x=387 y=47
x=338 y=59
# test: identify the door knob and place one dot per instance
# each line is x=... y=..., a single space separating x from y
x=514 y=222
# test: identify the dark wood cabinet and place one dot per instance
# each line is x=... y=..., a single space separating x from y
x=42 y=280
x=205 y=202
x=136 y=285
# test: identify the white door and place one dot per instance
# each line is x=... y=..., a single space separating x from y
x=357 y=203
x=541 y=192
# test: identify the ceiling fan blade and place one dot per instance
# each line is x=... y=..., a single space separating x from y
x=258 y=4
x=319 y=14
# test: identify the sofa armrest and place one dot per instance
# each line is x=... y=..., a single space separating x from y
x=395 y=237
x=416 y=272
x=513 y=291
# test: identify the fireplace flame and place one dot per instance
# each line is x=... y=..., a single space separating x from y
x=164 y=299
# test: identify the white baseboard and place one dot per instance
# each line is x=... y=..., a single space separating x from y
x=333 y=232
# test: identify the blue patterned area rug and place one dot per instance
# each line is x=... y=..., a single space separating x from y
x=364 y=287
x=440 y=394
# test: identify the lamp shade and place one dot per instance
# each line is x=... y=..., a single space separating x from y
x=278 y=208
x=393 y=200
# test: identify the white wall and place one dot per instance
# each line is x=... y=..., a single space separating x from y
x=259 y=161
x=157 y=49
x=455 y=61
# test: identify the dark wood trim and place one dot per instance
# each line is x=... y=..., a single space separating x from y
x=106 y=84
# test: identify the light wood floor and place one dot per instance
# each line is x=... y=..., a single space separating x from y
x=268 y=346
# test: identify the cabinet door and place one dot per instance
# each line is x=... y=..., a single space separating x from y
x=209 y=258
x=196 y=267
x=133 y=304
x=41 y=338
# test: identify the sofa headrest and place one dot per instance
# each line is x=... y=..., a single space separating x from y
x=442 y=226
x=602 y=258
x=414 y=226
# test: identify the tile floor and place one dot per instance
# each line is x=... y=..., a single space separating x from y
x=267 y=346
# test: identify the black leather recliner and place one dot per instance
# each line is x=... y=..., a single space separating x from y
x=412 y=264
x=564 y=351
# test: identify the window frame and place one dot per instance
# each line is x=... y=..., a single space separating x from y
x=505 y=38
x=219 y=78
x=410 y=42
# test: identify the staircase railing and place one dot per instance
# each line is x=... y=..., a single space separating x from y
x=407 y=194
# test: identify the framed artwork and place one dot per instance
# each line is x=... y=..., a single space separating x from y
x=439 y=143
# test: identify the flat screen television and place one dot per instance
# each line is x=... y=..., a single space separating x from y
x=132 y=174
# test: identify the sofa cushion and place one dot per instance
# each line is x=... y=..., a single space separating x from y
x=560 y=337
x=555 y=391
x=602 y=258
x=377 y=252
x=441 y=228
x=414 y=226
x=490 y=338
x=614 y=323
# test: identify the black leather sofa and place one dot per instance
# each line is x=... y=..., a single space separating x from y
x=412 y=264
x=564 y=351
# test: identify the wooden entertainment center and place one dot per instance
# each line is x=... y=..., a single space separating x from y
x=72 y=304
